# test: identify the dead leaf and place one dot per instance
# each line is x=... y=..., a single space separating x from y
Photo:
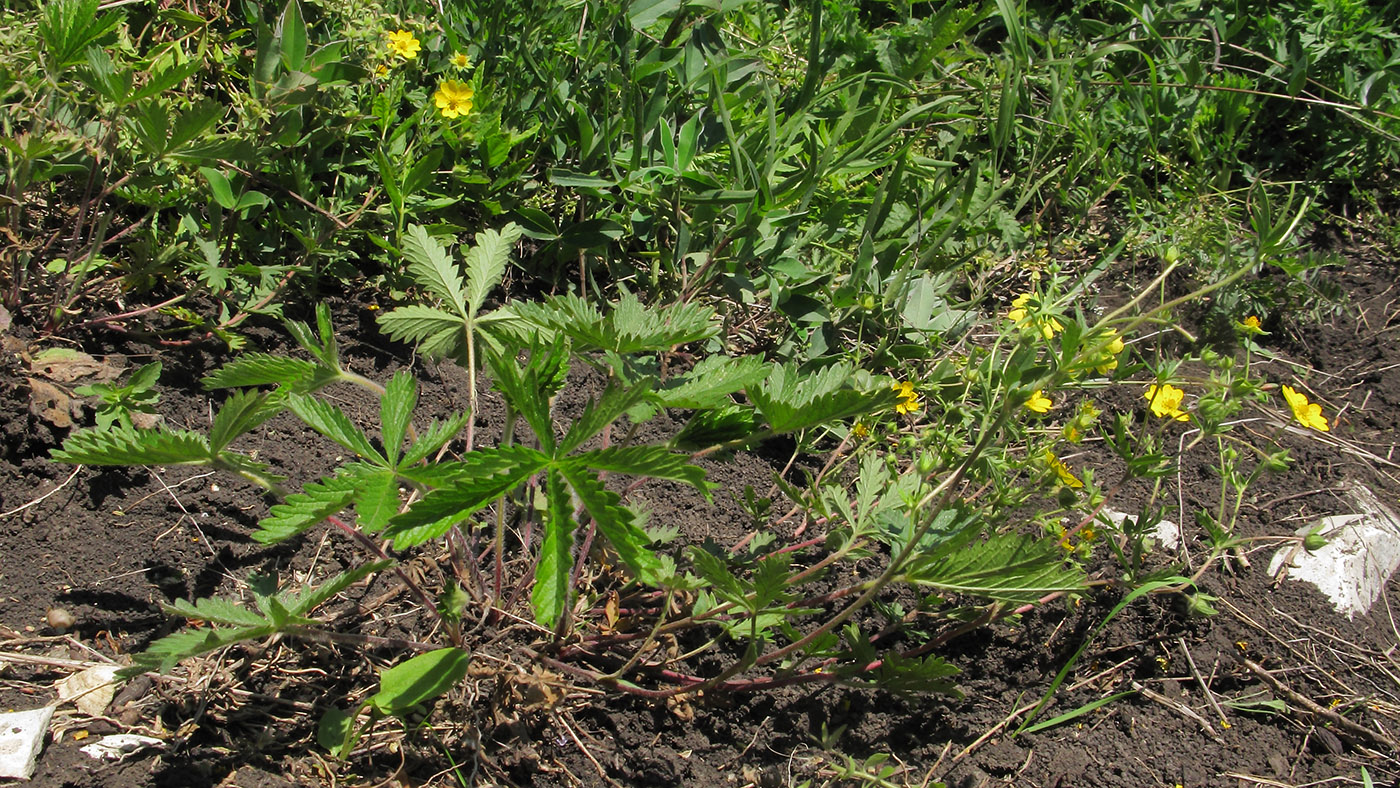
x=65 y=365
x=90 y=690
x=52 y=404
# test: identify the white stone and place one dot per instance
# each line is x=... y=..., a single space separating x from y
x=119 y=746
x=1362 y=552
x=21 y=738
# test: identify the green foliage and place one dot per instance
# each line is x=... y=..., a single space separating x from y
x=118 y=402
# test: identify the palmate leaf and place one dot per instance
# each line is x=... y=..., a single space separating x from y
x=486 y=263
x=432 y=267
x=551 y=592
x=614 y=521
x=629 y=328
x=376 y=499
x=486 y=475
x=432 y=439
x=332 y=422
x=656 y=462
x=528 y=390
x=303 y=510
x=1006 y=567
x=128 y=446
x=790 y=400
x=712 y=380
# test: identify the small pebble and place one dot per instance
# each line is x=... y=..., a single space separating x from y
x=59 y=619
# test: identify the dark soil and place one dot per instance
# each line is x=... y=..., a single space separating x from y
x=111 y=545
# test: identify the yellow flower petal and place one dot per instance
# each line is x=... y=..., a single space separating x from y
x=1309 y=414
x=1039 y=403
x=403 y=44
x=1165 y=401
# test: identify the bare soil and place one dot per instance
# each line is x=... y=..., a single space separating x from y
x=111 y=545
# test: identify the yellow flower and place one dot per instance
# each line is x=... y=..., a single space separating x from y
x=403 y=44
x=908 y=397
x=454 y=98
x=460 y=60
x=1039 y=403
x=380 y=70
x=1020 y=315
x=1166 y=401
x=1067 y=477
x=1250 y=325
x=860 y=430
x=1110 y=353
x=1309 y=414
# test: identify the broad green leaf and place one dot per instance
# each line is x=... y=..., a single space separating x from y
x=216 y=611
x=332 y=422
x=432 y=439
x=243 y=411
x=220 y=187
x=305 y=509
x=145 y=377
x=601 y=412
x=487 y=475
x=614 y=521
x=336 y=731
x=376 y=500
x=395 y=412
x=1007 y=567
x=291 y=28
x=551 y=592
x=791 y=400
x=261 y=369
x=433 y=268
x=655 y=462
x=435 y=332
x=486 y=263
x=126 y=446
x=419 y=680
x=712 y=380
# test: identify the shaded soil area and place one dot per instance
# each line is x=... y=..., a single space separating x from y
x=1306 y=695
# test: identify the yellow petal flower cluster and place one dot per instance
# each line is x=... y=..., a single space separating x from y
x=1039 y=403
x=908 y=398
x=454 y=98
x=1109 y=358
x=403 y=44
x=1067 y=477
x=1020 y=314
x=1165 y=401
x=1309 y=414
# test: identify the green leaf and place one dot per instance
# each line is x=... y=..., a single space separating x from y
x=376 y=499
x=220 y=187
x=243 y=411
x=216 y=611
x=651 y=461
x=486 y=263
x=713 y=427
x=432 y=267
x=395 y=412
x=164 y=654
x=419 y=680
x=528 y=391
x=432 y=439
x=435 y=332
x=629 y=328
x=336 y=731
x=261 y=369
x=68 y=27
x=303 y=603
x=614 y=521
x=332 y=422
x=601 y=412
x=712 y=380
x=551 y=592
x=145 y=377
x=487 y=475
x=1007 y=567
x=126 y=446
x=291 y=28
x=791 y=400
x=305 y=509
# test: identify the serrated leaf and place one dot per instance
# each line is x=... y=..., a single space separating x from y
x=419 y=680
x=1007 y=567
x=432 y=439
x=432 y=267
x=127 y=446
x=487 y=475
x=164 y=654
x=395 y=412
x=243 y=411
x=614 y=521
x=550 y=594
x=216 y=611
x=629 y=328
x=261 y=369
x=332 y=422
x=712 y=380
x=434 y=330
x=304 y=603
x=376 y=500
x=713 y=427
x=305 y=509
x=527 y=391
x=655 y=462
x=791 y=400
x=486 y=263
x=916 y=675
x=601 y=412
